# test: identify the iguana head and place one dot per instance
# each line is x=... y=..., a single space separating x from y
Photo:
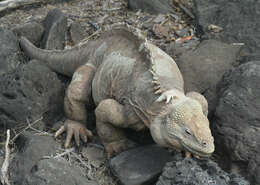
x=183 y=125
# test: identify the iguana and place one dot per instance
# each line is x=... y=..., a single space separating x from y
x=134 y=84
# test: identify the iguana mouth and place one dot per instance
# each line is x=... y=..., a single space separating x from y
x=196 y=152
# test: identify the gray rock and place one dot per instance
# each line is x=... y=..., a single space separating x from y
x=203 y=68
x=77 y=32
x=140 y=165
x=55 y=25
x=32 y=31
x=10 y=57
x=237 y=117
x=57 y=172
x=34 y=164
x=177 y=49
x=96 y=155
x=151 y=6
x=190 y=171
x=239 y=20
x=30 y=92
x=31 y=148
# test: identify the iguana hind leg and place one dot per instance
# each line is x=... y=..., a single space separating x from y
x=78 y=94
x=110 y=119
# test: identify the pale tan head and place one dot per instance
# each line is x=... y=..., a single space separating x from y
x=183 y=125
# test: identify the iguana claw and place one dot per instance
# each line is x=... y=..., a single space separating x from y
x=187 y=154
x=75 y=129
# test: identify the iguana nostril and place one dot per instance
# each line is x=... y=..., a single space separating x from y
x=204 y=143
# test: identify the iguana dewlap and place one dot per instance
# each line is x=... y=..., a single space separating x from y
x=134 y=84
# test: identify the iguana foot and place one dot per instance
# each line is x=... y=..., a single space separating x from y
x=117 y=147
x=76 y=129
x=187 y=154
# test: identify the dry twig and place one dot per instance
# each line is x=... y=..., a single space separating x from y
x=67 y=151
x=29 y=126
x=4 y=169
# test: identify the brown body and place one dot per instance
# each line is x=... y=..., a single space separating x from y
x=129 y=80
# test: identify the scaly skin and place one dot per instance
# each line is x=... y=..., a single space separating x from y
x=134 y=85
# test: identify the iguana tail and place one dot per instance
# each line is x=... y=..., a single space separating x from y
x=61 y=61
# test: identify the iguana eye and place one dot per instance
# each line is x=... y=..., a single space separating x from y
x=187 y=131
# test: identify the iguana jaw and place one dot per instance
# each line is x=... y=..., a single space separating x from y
x=158 y=133
x=201 y=153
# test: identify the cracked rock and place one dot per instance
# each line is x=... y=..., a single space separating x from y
x=33 y=164
x=30 y=92
x=190 y=171
x=237 y=119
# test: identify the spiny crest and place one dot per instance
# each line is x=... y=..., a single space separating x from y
x=165 y=95
x=155 y=81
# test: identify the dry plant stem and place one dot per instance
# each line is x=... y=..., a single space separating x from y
x=29 y=126
x=4 y=169
x=87 y=165
x=36 y=130
x=81 y=161
x=87 y=38
x=68 y=151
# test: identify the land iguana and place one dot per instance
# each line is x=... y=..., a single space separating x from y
x=133 y=84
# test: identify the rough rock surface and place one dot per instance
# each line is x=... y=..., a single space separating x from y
x=56 y=172
x=203 y=67
x=77 y=33
x=96 y=155
x=55 y=25
x=30 y=92
x=10 y=57
x=239 y=20
x=33 y=164
x=32 y=31
x=151 y=6
x=237 y=117
x=31 y=148
x=190 y=171
x=140 y=165
x=177 y=49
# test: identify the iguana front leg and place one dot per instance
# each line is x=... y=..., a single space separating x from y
x=78 y=94
x=110 y=119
